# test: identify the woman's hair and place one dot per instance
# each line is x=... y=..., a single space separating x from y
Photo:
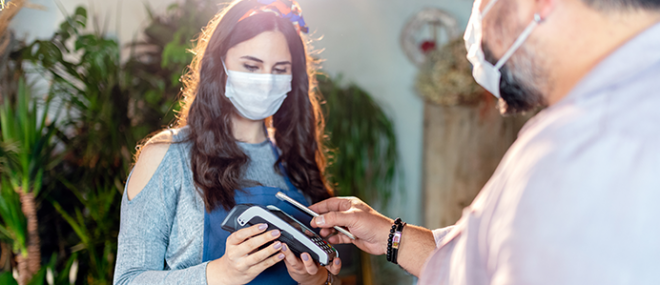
x=217 y=161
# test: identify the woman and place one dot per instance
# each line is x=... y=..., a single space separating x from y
x=251 y=69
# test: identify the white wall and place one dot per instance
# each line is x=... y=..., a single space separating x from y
x=32 y=23
x=361 y=41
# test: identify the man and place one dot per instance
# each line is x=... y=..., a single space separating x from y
x=575 y=199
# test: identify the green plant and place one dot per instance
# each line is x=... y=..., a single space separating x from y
x=158 y=61
x=48 y=274
x=363 y=144
x=14 y=225
x=27 y=140
x=88 y=81
x=184 y=21
x=109 y=107
x=92 y=229
x=363 y=156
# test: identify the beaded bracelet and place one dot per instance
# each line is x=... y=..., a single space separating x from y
x=390 y=254
x=396 y=242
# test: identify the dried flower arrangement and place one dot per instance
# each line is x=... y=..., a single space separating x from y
x=446 y=77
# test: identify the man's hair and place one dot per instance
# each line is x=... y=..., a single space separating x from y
x=612 y=5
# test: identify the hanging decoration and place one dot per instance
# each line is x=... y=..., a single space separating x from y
x=427 y=31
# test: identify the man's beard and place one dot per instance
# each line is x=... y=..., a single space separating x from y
x=520 y=82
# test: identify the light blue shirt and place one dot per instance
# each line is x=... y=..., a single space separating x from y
x=576 y=199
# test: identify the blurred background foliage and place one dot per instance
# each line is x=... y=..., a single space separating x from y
x=65 y=156
x=362 y=142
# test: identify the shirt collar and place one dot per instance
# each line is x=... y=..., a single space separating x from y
x=634 y=57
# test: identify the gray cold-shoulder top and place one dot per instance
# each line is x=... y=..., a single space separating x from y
x=162 y=228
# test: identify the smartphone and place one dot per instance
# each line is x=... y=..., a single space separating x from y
x=302 y=207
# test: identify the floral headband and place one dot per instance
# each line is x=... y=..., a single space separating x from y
x=287 y=9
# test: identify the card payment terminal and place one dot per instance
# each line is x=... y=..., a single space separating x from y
x=298 y=237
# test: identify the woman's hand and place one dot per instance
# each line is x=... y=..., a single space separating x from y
x=305 y=270
x=243 y=260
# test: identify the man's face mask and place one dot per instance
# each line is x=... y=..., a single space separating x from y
x=484 y=72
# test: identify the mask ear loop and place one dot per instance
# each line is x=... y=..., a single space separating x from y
x=521 y=39
x=488 y=7
x=224 y=66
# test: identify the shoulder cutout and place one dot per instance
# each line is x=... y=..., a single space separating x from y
x=150 y=158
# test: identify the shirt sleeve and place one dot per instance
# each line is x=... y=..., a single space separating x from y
x=145 y=229
x=439 y=234
x=437 y=267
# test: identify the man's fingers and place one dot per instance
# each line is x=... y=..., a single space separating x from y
x=331 y=232
x=331 y=219
x=241 y=235
x=339 y=239
x=310 y=264
x=335 y=266
x=263 y=254
x=327 y=232
x=253 y=243
x=332 y=205
x=334 y=240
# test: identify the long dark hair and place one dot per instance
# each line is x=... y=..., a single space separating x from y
x=217 y=161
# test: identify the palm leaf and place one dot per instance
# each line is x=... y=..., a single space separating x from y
x=77 y=227
x=6 y=278
x=14 y=223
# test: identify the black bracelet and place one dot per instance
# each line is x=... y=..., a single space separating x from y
x=396 y=242
x=390 y=255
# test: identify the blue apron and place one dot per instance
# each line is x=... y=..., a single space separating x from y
x=215 y=237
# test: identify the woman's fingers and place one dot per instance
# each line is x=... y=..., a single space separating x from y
x=292 y=260
x=335 y=266
x=241 y=235
x=260 y=267
x=310 y=266
x=259 y=256
x=254 y=243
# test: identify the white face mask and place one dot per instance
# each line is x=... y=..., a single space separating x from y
x=256 y=96
x=487 y=75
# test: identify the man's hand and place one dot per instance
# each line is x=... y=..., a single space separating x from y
x=370 y=228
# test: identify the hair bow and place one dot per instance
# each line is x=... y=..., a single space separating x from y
x=287 y=9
